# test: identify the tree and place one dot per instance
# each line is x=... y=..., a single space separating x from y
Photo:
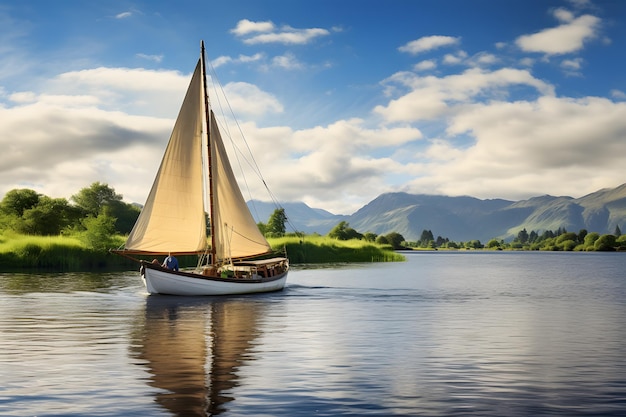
x=522 y=236
x=91 y=200
x=382 y=240
x=493 y=243
x=276 y=223
x=262 y=227
x=605 y=243
x=395 y=239
x=617 y=231
x=426 y=238
x=370 y=237
x=343 y=231
x=125 y=214
x=590 y=240
x=16 y=201
x=99 y=232
x=48 y=217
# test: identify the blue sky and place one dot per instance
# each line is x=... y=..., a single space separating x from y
x=340 y=100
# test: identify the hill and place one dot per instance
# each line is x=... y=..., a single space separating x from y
x=466 y=218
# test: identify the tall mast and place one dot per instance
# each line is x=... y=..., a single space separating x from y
x=209 y=154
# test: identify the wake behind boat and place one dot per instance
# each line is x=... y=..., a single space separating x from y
x=195 y=179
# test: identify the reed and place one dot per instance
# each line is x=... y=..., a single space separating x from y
x=58 y=253
x=322 y=249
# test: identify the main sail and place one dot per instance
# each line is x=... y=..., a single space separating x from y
x=236 y=233
x=173 y=218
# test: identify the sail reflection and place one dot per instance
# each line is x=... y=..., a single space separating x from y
x=193 y=348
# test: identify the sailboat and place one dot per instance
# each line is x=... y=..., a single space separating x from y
x=195 y=178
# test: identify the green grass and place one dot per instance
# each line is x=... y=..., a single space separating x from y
x=59 y=253
x=70 y=253
x=321 y=249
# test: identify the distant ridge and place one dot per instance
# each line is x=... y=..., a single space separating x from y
x=465 y=218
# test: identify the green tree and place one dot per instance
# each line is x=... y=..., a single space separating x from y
x=48 y=217
x=125 y=214
x=343 y=231
x=382 y=240
x=590 y=240
x=16 y=201
x=99 y=232
x=474 y=244
x=605 y=243
x=91 y=200
x=395 y=239
x=493 y=244
x=522 y=236
x=276 y=223
x=262 y=227
x=370 y=237
x=425 y=238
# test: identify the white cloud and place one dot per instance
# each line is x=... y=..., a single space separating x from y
x=155 y=58
x=431 y=97
x=455 y=59
x=241 y=59
x=618 y=94
x=566 y=38
x=525 y=148
x=249 y=100
x=287 y=61
x=425 y=65
x=245 y=27
x=123 y=15
x=266 y=32
x=572 y=67
x=428 y=43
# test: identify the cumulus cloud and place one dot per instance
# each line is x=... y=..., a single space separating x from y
x=566 y=38
x=241 y=59
x=431 y=97
x=266 y=32
x=245 y=27
x=425 y=65
x=527 y=148
x=428 y=43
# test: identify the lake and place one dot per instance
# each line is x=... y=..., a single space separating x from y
x=443 y=334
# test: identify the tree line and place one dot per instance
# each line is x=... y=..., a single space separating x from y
x=95 y=214
x=549 y=240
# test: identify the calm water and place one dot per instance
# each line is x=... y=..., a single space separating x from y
x=443 y=334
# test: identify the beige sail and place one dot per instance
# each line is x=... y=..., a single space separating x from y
x=173 y=218
x=236 y=233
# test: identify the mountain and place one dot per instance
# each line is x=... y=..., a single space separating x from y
x=466 y=218
x=300 y=216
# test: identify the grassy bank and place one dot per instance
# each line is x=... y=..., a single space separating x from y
x=58 y=253
x=66 y=253
x=320 y=249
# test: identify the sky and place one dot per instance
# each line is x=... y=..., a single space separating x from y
x=339 y=101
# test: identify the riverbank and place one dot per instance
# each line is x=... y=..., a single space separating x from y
x=67 y=253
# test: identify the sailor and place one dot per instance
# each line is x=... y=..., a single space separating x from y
x=170 y=262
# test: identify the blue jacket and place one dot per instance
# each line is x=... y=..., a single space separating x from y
x=171 y=263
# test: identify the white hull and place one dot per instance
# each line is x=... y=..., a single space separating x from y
x=160 y=281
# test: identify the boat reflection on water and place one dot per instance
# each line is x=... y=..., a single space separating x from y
x=193 y=348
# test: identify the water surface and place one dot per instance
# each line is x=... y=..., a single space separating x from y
x=443 y=334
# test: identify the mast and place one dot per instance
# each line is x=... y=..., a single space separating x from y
x=209 y=155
